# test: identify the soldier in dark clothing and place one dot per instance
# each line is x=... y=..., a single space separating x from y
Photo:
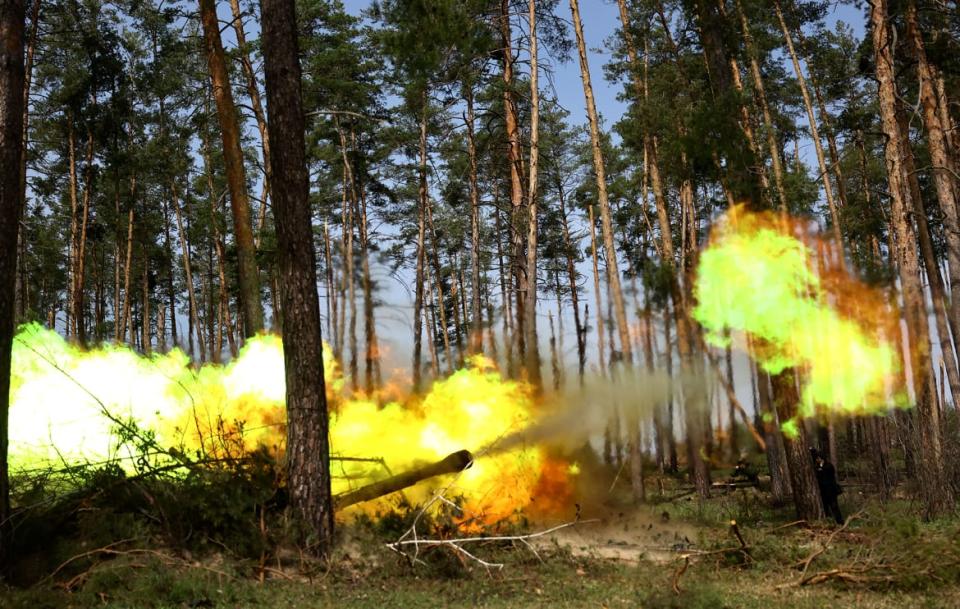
x=829 y=487
x=745 y=471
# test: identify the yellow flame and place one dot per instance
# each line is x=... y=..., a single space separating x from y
x=767 y=276
x=68 y=404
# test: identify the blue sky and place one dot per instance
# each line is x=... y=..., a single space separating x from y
x=600 y=20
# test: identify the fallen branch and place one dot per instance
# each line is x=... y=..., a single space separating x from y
x=805 y=563
x=456 y=544
x=743 y=549
x=786 y=526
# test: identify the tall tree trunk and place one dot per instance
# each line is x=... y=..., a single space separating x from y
x=249 y=283
x=927 y=254
x=613 y=272
x=128 y=265
x=331 y=286
x=508 y=344
x=187 y=268
x=476 y=331
x=672 y=458
x=711 y=22
x=22 y=291
x=761 y=97
x=570 y=248
x=421 y=254
x=936 y=494
x=803 y=482
x=70 y=329
x=943 y=178
x=253 y=92
x=308 y=465
x=222 y=274
x=530 y=298
x=780 y=486
x=601 y=325
x=12 y=15
x=145 y=339
x=350 y=197
x=372 y=348
x=514 y=160
x=441 y=311
x=81 y=249
x=812 y=120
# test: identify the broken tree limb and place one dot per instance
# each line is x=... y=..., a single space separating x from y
x=456 y=544
x=743 y=549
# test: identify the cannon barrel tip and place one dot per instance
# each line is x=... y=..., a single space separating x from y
x=451 y=464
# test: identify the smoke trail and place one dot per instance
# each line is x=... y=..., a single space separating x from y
x=584 y=413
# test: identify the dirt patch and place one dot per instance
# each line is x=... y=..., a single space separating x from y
x=627 y=536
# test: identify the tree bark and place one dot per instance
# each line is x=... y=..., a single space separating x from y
x=803 y=482
x=308 y=465
x=929 y=258
x=530 y=298
x=935 y=492
x=421 y=255
x=812 y=120
x=515 y=160
x=613 y=272
x=943 y=178
x=601 y=324
x=247 y=273
x=761 y=97
x=571 y=247
x=22 y=300
x=476 y=332
x=253 y=91
x=12 y=16
x=128 y=267
x=776 y=456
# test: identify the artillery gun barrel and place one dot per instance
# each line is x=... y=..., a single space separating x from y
x=451 y=464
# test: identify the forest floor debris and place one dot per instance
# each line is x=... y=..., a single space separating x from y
x=662 y=554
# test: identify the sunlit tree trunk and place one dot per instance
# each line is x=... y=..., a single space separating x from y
x=249 y=283
x=514 y=160
x=145 y=339
x=671 y=438
x=812 y=120
x=613 y=272
x=253 y=92
x=128 y=266
x=761 y=97
x=222 y=274
x=421 y=255
x=70 y=329
x=934 y=490
x=571 y=247
x=508 y=345
x=476 y=331
x=371 y=344
x=943 y=178
x=441 y=312
x=22 y=298
x=331 y=286
x=929 y=258
x=530 y=297
x=601 y=325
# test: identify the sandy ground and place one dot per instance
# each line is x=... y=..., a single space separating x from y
x=628 y=536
